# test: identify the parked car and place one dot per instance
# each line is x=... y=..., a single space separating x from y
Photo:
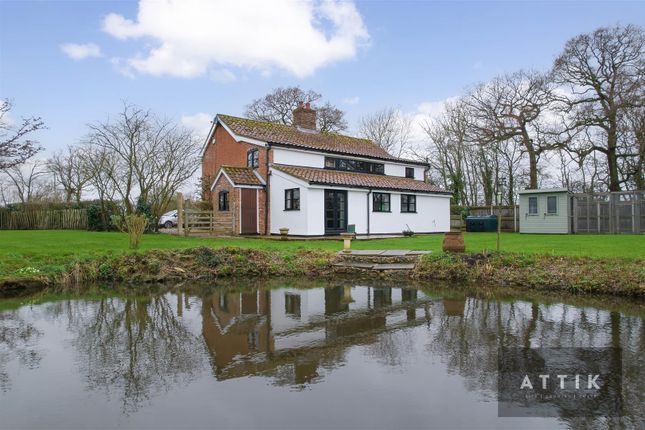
x=168 y=220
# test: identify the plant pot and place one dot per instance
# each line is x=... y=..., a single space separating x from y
x=284 y=232
x=453 y=241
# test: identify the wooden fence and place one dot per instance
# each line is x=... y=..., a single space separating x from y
x=615 y=212
x=198 y=221
x=41 y=219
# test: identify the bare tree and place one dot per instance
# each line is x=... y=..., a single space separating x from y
x=604 y=73
x=278 y=105
x=15 y=147
x=26 y=181
x=66 y=166
x=513 y=107
x=140 y=156
x=389 y=128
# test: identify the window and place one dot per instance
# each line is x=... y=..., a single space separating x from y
x=292 y=199
x=354 y=165
x=408 y=203
x=253 y=159
x=551 y=205
x=381 y=202
x=409 y=172
x=223 y=201
x=533 y=208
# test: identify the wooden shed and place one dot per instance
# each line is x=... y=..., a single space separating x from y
x=545 y=211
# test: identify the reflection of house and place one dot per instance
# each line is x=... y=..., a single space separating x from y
x=290 y=333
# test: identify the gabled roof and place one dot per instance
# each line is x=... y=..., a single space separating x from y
x=280 y=134
x=358 y=180
x=241 y=176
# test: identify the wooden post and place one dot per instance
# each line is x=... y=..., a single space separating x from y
x=180 y=213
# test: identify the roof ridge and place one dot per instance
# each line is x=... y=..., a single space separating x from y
x=292 y=128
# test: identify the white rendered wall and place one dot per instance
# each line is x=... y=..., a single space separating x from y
x=298 y=158
x=432 y=216
x=295 y=221
x=399 y=170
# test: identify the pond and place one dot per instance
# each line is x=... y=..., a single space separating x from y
x=292 y=354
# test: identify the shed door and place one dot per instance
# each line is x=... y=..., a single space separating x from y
x=249 y=211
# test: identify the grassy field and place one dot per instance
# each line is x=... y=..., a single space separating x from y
x=51 y=251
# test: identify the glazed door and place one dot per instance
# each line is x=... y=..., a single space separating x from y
x=249 y=211
x=335 y=211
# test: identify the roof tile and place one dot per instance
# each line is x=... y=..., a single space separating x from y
x=292 y=136
x=242 y=175
x=358 y=180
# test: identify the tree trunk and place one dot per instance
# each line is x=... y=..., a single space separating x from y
x=612 y=159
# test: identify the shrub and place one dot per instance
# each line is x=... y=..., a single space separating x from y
x=98 y=219
x=135 y=225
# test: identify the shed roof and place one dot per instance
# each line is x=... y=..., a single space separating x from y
x=545 y=191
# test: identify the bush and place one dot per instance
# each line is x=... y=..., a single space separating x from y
x=135 y=225
x=98 y=219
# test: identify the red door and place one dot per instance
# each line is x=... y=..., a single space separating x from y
x=249 y=211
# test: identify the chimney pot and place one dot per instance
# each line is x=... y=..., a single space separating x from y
x=308 y=105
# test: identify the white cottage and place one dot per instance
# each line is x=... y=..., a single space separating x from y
x=269 y=176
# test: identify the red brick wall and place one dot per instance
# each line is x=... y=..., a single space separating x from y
x=226 y=222
x=223 y=150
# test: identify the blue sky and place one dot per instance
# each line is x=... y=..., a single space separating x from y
x=404 y=54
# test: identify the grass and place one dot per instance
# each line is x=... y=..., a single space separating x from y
x=51 y=251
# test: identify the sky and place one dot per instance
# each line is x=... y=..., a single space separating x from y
x=75 y=62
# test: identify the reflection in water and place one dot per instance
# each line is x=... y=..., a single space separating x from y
x=142 y=347
x=18 y=338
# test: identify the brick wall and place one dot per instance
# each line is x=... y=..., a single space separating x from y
x=223 y=150
x=226 y=223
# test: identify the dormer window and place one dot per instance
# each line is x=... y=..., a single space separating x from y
x=409 y=172
x=253 y=158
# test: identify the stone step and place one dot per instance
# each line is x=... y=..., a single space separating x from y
x=394 y=266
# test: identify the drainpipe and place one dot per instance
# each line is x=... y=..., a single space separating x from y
x=368 y=211
x=266 y=194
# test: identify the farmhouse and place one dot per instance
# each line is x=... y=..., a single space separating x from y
x=268 y=176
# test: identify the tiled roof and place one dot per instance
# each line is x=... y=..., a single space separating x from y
x=281 y=134
x=357 y=180
x=242 y=175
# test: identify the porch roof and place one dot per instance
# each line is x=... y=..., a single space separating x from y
x=242 y=176
x=358 y=180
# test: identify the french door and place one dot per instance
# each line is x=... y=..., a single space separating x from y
x=335 y=211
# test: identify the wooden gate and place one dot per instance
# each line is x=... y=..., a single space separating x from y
x=249 y=209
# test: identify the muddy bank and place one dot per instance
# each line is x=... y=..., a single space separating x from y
x=621 y=277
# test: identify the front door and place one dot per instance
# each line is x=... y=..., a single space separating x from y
x=249 y=211
x=335 y=211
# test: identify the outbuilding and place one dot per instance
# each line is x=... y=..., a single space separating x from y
x=545 y=211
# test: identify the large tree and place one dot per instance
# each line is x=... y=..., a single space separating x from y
x=512 y=108
x=279 y=104
x=139 y=156
x=389 y=128
x=604 y=74
x=67 y=168
x=15 y=146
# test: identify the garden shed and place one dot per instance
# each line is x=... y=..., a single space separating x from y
x=545 y=211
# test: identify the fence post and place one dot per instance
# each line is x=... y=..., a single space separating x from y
x=180 y=213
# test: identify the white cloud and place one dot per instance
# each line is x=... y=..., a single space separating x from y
x=426 y=111
x=200 y=123
x=351 y=100
x=80 y=51
x=191 y=37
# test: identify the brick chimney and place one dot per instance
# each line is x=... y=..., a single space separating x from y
x=304 y=116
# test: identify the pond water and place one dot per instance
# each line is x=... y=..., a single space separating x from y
x=278 y=355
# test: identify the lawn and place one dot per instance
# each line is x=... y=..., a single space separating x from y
x=50 y=251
